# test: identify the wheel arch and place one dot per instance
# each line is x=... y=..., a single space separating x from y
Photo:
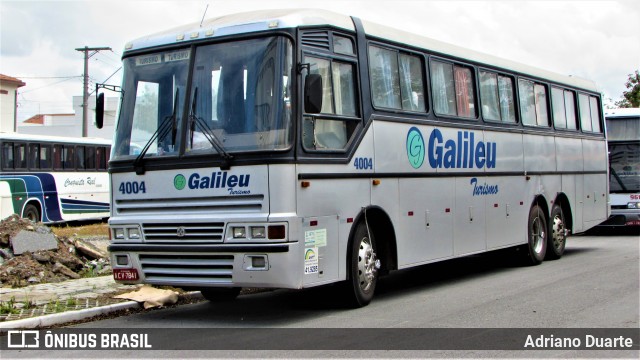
x=35 y=202
x=541 y=201
x=563 y=201
x=381 y=226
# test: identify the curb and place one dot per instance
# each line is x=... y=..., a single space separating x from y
x=75 y=315
x=68 y=316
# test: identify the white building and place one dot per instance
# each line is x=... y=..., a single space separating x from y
x=8 y=95
x=71 y=124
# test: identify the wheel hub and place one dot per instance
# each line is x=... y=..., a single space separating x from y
x=559 y=233
x=366 y=265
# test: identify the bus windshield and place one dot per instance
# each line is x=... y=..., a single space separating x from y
x=624 y=154
x=624 y=172
x=238 y=100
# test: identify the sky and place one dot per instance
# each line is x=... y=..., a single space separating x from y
x=597 y=40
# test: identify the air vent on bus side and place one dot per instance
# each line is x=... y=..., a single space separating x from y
x=317 y=39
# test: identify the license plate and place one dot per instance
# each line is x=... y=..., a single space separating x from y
x=125 y=274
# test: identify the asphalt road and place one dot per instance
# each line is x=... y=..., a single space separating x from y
x=594 y=285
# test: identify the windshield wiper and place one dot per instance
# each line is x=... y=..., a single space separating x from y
x=208 y=133
x=167 y=124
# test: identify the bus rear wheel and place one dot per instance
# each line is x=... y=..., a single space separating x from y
x=31 y=212
x=363 y=267
x=220 y=294
x=557 y=233
x=536 y=247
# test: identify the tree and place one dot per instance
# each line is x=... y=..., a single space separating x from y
x=631 y=97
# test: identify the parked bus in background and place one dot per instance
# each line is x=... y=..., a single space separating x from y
x=54 y=179
x=297 y=148
x=623 y=135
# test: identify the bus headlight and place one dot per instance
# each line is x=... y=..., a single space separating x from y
x=239 y=232
x=633 y=205
x=118 y=233
x=134 y=233
x=258 y=232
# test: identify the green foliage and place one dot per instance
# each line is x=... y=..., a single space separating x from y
x=631 y=97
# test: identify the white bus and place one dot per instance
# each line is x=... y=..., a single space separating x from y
x=53 y=179
x=623 y=136
x=297 y=148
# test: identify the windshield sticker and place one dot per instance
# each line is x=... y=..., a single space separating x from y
x=177 y=56
x=148 y=60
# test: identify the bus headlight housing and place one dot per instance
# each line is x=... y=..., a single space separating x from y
x=131 y=232
x=633 y=205
x=256 y=232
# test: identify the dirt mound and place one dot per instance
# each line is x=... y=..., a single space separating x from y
x=71 y=259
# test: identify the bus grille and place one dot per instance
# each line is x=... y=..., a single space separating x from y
x=168 y=269
x=188 y=232
x=191 y=205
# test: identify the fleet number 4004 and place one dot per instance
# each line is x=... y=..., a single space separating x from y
x=132 y=187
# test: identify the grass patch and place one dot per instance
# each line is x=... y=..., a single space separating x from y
x=97 y=229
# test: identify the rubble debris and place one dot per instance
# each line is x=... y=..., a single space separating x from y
x=61 y=269
x=29 y=240
x=63 y=258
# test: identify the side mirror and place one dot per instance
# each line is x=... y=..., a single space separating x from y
x=100 y=110
x=313 y=93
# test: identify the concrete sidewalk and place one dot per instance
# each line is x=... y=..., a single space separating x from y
x=56 y=303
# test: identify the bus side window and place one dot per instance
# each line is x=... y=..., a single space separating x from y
x=80 y=164
x=90 y=158
x=20 y=156
x=68 y=160
x=57 y=157
x=7 y=156
x=338 y=100
x=101 y=159
x=45 y=156
x=34 y=156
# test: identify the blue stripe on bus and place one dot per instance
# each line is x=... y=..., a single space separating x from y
x=93 y=206
x=42 y=187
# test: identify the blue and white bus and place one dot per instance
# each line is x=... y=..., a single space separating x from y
x=297 y=148
x=54 y=179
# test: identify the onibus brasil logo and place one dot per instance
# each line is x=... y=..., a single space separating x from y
x=217 y=180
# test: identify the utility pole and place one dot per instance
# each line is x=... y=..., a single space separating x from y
x=85 y=92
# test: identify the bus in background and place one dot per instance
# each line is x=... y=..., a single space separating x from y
x=623 y=136
x=53 y=179
x=298 y=148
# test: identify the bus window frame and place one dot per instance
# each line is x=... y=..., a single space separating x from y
x=546 y=86
x=474 y=82
x=424 y=60
x=599 y=112
x=358 y=119
x=516 y=103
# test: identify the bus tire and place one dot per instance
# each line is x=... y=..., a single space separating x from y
x=537 y=236
x=31 y=212
x=362 y=267
x=218 y=295
x=557 y=236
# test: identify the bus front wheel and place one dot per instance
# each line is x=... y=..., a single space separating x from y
x=536 y=247
x=363 y=267
x=31 y=212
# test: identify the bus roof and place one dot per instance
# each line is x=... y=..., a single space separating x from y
x=621 y=113
x=262 y=20
x=4 y=136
